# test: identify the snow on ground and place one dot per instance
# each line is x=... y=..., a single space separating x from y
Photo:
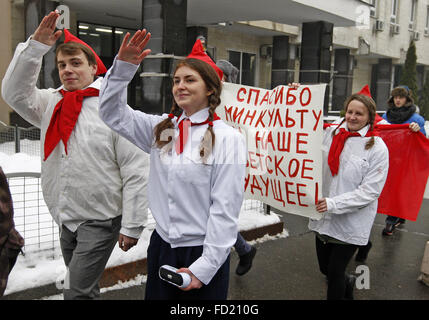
x=37 y=269
x=141 y=279
x=19 y=162
x=45 y=267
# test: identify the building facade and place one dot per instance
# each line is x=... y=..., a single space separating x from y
x=344 y=43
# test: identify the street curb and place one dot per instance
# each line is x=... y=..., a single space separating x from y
x=128 y=271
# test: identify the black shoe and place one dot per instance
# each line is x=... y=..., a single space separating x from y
x=400 y=221
x=245 y=262
x=350 y=285
x=363 y=252
x=388 y=230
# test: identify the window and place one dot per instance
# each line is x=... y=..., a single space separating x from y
x=99 y=38
x=370 y=2
x=413 y=15
x=246 y=64
x=372 y=5
x=427 y=18
x=105 y=41
x=373 y=9
x=394 y=14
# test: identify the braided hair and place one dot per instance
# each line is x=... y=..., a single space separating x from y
x=213 y=84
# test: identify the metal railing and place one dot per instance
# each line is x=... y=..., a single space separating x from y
x=34 y=222
x=14 y=139
x=31 y=215
x=255 y=206
x=32 y=218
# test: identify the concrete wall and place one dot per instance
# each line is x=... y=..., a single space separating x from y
x=5 y=50
x=13 y=32
x=227 y=40
x=384 y=44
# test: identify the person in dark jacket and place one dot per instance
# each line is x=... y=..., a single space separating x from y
x=11 y=241
x=401 y=110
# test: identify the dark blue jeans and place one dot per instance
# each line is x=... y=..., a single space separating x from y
x=241 y=246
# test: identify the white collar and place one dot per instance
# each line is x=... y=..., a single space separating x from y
x=199 y=116
x=96 y=85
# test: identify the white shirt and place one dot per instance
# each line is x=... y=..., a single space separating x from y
x=101 y=177
x=193 y=203
x=352 y=194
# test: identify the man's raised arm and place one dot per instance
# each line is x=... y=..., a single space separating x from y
x=19 y=83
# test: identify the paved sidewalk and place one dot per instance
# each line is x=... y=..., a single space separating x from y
x=287 y=269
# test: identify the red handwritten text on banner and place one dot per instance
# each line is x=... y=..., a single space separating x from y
x=283 y=128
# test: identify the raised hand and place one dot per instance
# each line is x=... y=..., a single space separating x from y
x=133 y=51
x=46 y=33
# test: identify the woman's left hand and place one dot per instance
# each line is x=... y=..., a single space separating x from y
x=322 y=205
x=133 y=51
x=195 y=283
x=414 y=127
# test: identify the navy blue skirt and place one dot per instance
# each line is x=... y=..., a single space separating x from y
x=160 y=252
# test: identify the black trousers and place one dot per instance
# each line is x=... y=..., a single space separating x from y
x=333 y=260
x=160 y=252
x=393 y=220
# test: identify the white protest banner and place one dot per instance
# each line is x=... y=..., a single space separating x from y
x=284 y=131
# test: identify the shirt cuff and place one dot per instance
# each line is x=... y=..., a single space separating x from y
x=203 y=270
x=37 y=46
x=330 y=203
x=131 y=232
x=124 y=70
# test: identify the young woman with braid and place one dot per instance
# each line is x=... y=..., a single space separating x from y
x=197 y=170
x=355 y=165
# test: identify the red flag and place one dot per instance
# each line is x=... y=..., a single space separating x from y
x=402 y=194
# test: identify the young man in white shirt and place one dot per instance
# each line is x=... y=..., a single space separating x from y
x=94 y=181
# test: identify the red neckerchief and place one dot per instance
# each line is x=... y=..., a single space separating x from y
x=184 y=130
x=64 y=118
x=337 y=147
